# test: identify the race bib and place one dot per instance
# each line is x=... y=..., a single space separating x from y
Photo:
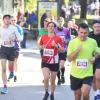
x=7 y=42
x=82 y=63
x=48 y=52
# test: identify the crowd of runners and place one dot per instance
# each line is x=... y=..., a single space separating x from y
x=57 y=44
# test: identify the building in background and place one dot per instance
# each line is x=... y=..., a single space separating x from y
x=11 y=6
x=6 y=7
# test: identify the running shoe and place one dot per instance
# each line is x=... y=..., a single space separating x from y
x=62 y=79
x=51 y=97
x=46 y=96
x=98 y=97
x=4 y=90
x=59 y=82
x=95 y=97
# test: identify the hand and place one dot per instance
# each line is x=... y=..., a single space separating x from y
x=93 y=59
x=54 y=44
x=79 y=48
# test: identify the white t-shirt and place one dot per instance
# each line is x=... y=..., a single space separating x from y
x=9 y=35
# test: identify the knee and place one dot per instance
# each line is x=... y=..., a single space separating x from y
x=4 y=70
x=85 y=94
x=46 y=78
x=77 y=96
x=52 y=82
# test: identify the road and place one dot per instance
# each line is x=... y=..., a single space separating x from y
x=29 y=85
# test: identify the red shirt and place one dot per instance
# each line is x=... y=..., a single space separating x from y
x=50 y=53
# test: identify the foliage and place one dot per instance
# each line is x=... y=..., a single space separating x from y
x=30 y=5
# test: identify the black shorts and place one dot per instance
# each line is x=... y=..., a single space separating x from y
x=96 y=65
x=7 y=53
x=51 y=67
x=16 y=52
x=62 y=56
x=77 y=83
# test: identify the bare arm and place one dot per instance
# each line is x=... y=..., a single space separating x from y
x=74 y=53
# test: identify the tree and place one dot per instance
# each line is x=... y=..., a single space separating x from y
x=83 y=13
x=30 y=5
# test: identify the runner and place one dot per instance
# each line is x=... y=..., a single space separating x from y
x=8 y=35
x=96 y=35
x=17 y=47
x=65 y=36
x=43 y=31
x=80 y=53
x=51 y=44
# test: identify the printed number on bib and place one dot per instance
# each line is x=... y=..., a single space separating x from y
x=7 y=42
x=48 y=52
x=82 y=63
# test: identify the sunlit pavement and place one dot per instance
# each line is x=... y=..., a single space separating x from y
x=29 y=85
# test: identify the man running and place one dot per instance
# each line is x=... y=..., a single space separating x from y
x=63 y=32
x=80 y=53
x=8 y=35
x=17 y=47
x=95 y=34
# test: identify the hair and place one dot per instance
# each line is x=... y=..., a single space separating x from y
x=83 y=25
x=7 y=15
x=95 y=21
x=61 y=18
x=52 y=23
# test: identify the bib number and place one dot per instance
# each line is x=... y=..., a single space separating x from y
x=48 y=52
x=7 y=42
x=82 y=63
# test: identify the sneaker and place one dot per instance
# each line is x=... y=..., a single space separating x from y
x=4 y=90
x=62 y=79
x=59 y=82
x=98 y=97
x=95 y=97
x=51 y=97
x=15 y=78
x=46 y=96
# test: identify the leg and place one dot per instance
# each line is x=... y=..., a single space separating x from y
x=62 y=71
x=4 y=76
x=11 y=68
x=15 y=69
x=97 y=83
x=85 y=91
x=58 y=75
x=46 y=72
x=53 y=78
x=76 y=85
x=77 y=94
x=97 y=78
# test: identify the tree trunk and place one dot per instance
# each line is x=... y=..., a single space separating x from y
x=83 y=4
